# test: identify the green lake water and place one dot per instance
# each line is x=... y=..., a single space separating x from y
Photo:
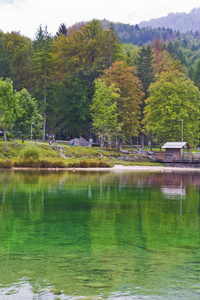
x=99 y=235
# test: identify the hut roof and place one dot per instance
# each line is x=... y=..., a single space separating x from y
x=176 y=145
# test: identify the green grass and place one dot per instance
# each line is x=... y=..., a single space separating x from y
x=43 y=155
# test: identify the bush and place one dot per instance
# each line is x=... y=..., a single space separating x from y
x=93 y=164
x=27 y=163
x=74 y=164
x=104 y=164
x=7 y=163
x=83 y=164
x=31 y=152
x=59 y=164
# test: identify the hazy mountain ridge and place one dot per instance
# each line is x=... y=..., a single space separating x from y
x=182 y=22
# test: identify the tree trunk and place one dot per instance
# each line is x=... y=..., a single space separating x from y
x=102 y=143
x=120 y=146
x=142 y=141
x=45 y=95
x=4 y=130
x=44 y=127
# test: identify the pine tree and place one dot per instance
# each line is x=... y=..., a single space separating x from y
x=42 y=68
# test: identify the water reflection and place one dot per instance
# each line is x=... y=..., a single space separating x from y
x=105 y=235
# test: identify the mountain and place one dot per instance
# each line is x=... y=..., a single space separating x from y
x=182 y=22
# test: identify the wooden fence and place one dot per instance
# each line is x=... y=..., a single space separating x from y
x=171 y=158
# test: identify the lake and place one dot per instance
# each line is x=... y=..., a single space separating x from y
x=99 y=235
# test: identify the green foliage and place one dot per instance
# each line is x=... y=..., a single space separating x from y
x=28 y=114
x=104 y=110
x=30 y=152
x=173 y=97
x=128 y=104
x=6 y=70
x=39 y=163
x=145 y=71
x=42 y=66
x=59 y=73
x=17 y=49
x=8 y=163
x=104 y=107
x=8 y=105
x=89 y=164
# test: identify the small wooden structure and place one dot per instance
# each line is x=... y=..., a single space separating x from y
x=174 y=152
x=175 y=148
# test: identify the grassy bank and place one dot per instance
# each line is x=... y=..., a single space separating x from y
x=43 y=155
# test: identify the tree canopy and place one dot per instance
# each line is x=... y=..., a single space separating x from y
x=172 y=98
x=28 y=114
x=8 y=106
x=128 y=105
x=104 y=110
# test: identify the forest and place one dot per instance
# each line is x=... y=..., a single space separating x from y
x=88 y=80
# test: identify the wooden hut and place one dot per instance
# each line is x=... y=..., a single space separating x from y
x=174 y=150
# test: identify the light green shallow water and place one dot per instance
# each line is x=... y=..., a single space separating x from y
x=70 y=235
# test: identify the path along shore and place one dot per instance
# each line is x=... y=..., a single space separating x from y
x=120 y=168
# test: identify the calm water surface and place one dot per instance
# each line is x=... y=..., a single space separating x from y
x=81 y=235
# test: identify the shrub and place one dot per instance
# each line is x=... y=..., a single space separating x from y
x=27 y=162
x=59 y=163
x=44 y=163
x=74 y=164
x=8 y=163
x=31 y=152
x=104 y=164
x=93 y=164
x=83 y=164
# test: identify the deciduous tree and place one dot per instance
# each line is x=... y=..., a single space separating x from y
x=17 y=50
x=128 y=105
x=8 y=106
x=28 y=114
x=173 y=97
x=104 y=109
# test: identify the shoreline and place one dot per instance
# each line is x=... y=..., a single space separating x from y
x=116 y=168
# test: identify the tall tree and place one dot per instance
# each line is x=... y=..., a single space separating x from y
x=104 y=109
x=17 y=50
x=128 y=105
x=191 y=72
x=197 y=75
x=74 y=117
x=145 y=70
x=42 y=66
x=8 y=106
x=6 y=69
x=112 y=46
x=62 y=30
x=158 y=55
x=28 y=114
x=79 y=59
x=173 y=97
x=87 y=49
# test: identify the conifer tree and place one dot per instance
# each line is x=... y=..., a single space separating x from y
x=42 y=68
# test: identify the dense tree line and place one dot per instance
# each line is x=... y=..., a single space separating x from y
x=65 y=80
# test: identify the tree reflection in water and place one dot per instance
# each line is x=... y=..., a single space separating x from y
x=99 y=233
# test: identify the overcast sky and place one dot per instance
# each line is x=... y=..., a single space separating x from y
x=26 y=15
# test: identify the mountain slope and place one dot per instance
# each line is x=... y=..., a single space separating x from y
x=182 y=22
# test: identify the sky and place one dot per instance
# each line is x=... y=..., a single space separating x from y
x=25 y=16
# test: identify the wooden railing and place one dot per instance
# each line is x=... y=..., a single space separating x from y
x=172 y=158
